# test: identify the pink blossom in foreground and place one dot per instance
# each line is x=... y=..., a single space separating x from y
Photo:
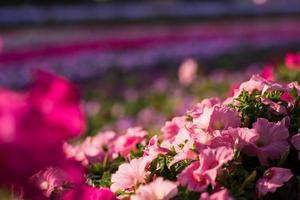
x=187 y=72
x=159 y=189
x=129 y=175
x=85 y=192
x=220 y=195
x=296 y=143
x=127 y=142
x=272 y=179
x=292 y=61
x=198 y=109
x=272 y=140
x=201 y=173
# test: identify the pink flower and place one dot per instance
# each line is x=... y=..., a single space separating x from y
x=85 y=192
x=171 y=128
x=49 y=180
x=198 y=109
x=296 y=143
x=92 y=149
x=272 y=179
x=292 y=60
x=268 y=73
x=274 y=107
x=187 y=72
x=153 y=149
x=201 y=173
x=272 y=140
x=129 y=175
x=220 y=195
x=127 y=142
x=217 y=118
x=157 y=189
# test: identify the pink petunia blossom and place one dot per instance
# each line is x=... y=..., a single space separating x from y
x=296 y=143
x=49 y=180
x=198 y=109
x=217 y=118
x=272 y=140
x=129 y=175
x=272 y=179
x=153 y=149
x=126 y=143
x=159 y=189
x=171 y=128
x=201 y=173
x=187 y=72
x=268 y=73
x=292 y=61
x=219 y=195
x=85 y=192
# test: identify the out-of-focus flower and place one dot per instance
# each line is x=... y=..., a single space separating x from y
x=296 y=143
x=272 y=179
x=292 y=61
x=268 y=73
x=171 y=128
x=219 y=195
x=129 y=175
x=157 y=189
x=187 y=72
x=85 y=192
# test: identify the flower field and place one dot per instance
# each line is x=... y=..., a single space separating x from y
x=226 y=134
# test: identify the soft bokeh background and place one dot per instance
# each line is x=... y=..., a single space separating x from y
x=125 y=55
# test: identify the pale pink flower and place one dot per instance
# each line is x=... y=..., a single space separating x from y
x=171 y=128
x=197 y=110
x=217 y=118
x=272 y=179
x=274 y=107
x=272 y=140
x=296 y=143
x=187 y=72
x=153 y=149
x=49 y=180
x=129 y=175
x=126 y=143
x=220 y=195
x=201 y=173
x=159 y=189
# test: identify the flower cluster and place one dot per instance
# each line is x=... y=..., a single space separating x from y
x=245 y=147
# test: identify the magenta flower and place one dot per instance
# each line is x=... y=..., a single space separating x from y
x=292 y=61
x=268 y=73
x=85 y=192
x=158 y=189
x=129 y=175
x=296 y=143
x=272 y=179
x=219 y=195
x=201 y=173
x=272 y=140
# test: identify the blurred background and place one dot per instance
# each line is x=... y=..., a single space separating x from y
x=141 y=61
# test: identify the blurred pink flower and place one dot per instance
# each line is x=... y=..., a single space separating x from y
x=158 y=189
x=268 y=73
x=272 y=140
x=187 y=72
x=129 y=175
x=292 y=60
x=85 y=192
x=296 y=143
x=153 y=149
x=219 y=195
x=201 y=173
x=272 y=179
